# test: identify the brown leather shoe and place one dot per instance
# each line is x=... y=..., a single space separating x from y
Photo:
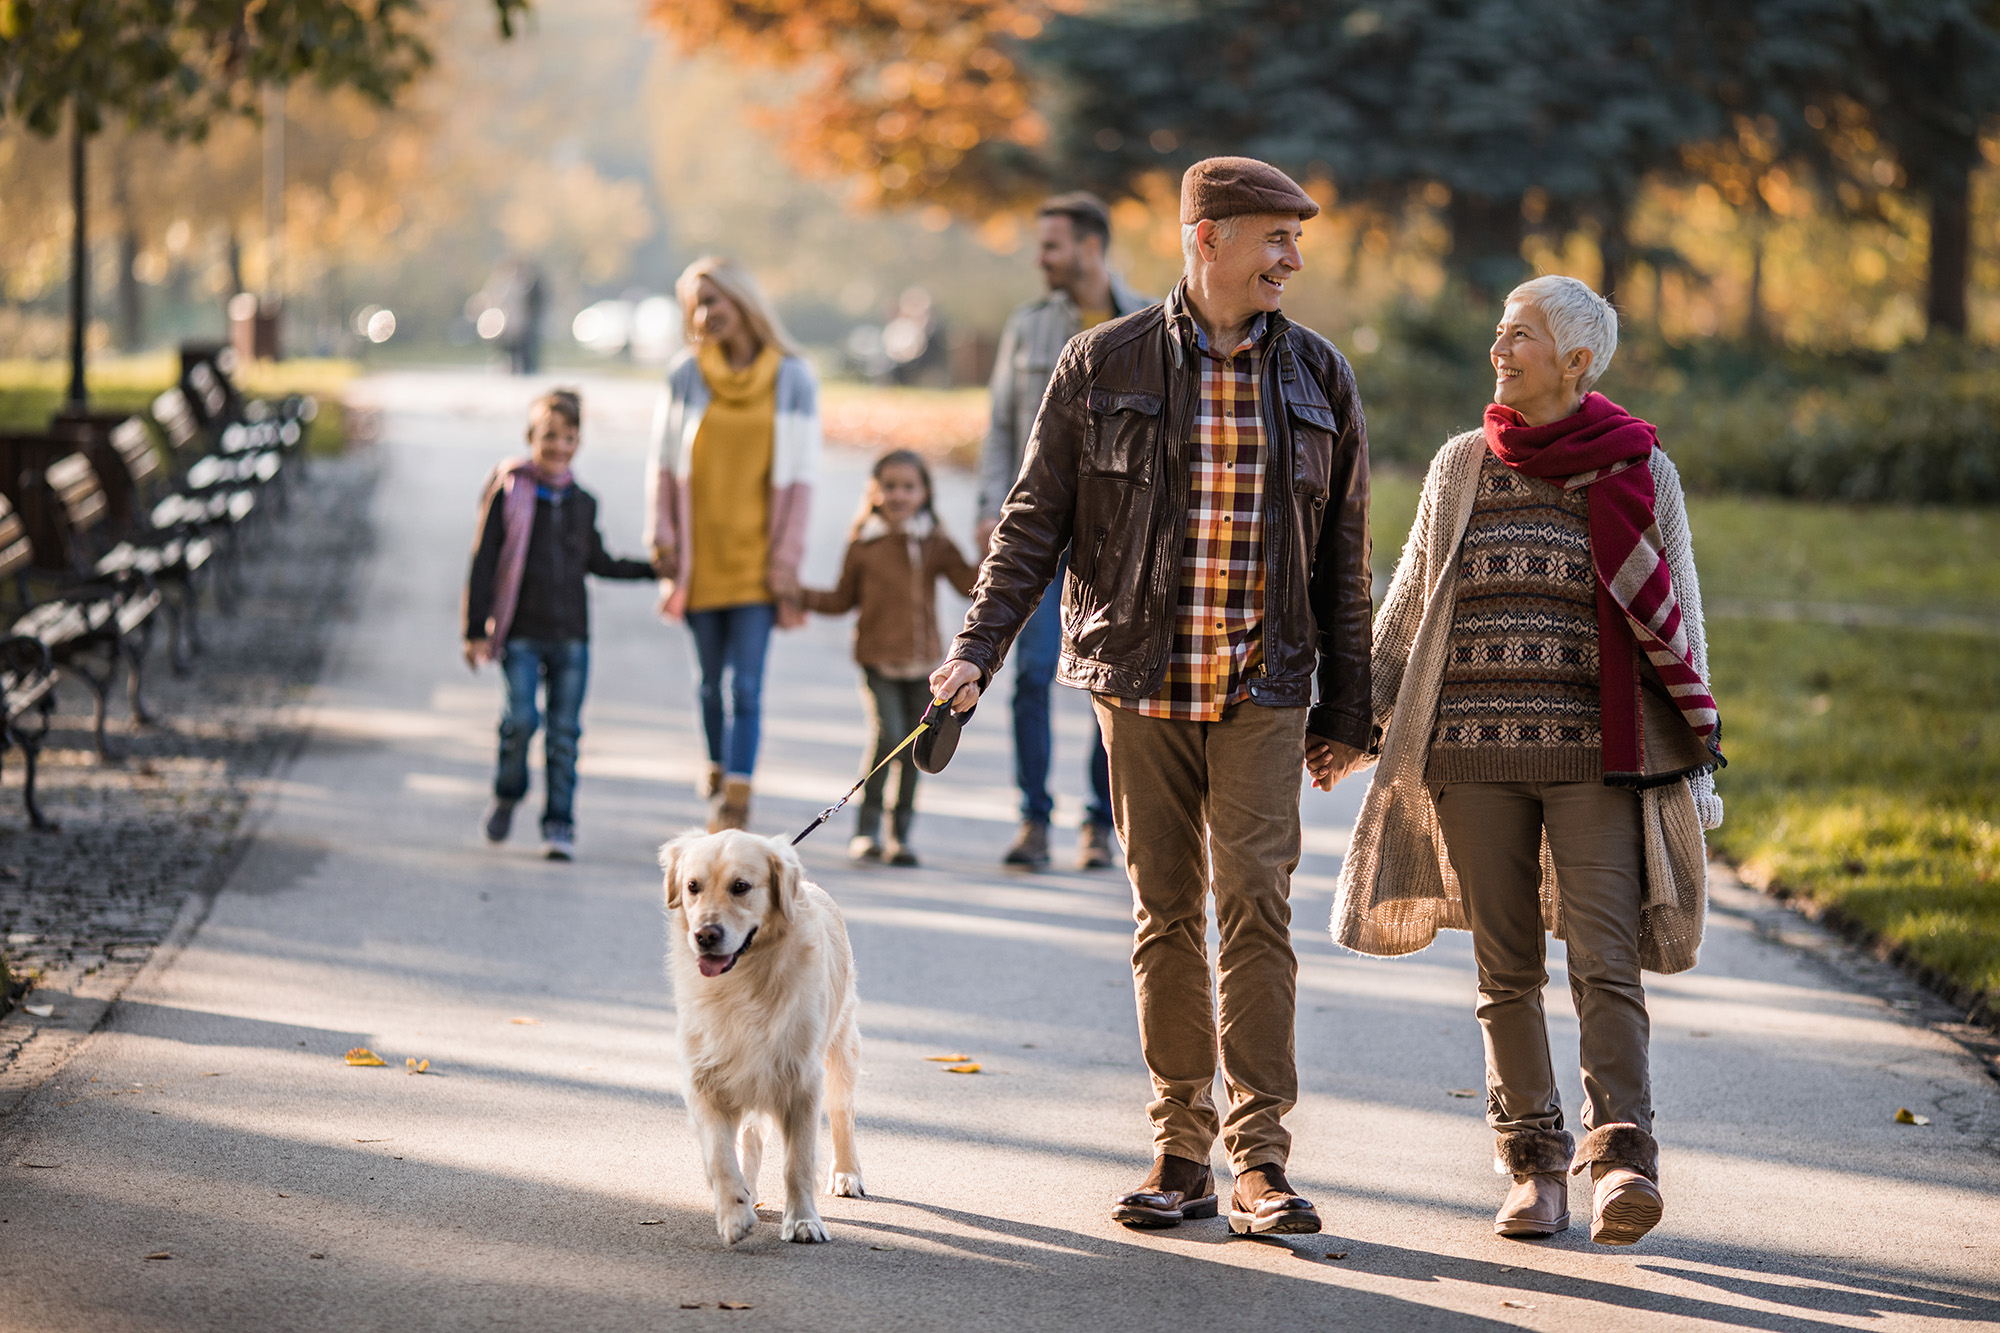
x=1093 y=846
x=1176 y=1190
x=1624 y=1206
x=1538 y=1205
x=1263 y=1204
x=1031 y=846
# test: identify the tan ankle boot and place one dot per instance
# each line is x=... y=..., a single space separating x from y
x=1538 y=1160
x=1624 y=1163
x=1538 y=1205
x=710 y=785
x=732 y=806
x=1624 y=1205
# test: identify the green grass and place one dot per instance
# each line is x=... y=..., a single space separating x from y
x=1865 y=775
x=1864 y=764
x=32 y=391
x=1936 y=559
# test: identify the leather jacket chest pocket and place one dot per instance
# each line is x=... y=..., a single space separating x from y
x=1314 y=428
x=1124 y=433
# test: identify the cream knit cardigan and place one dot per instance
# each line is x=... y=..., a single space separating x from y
x=1397 y=888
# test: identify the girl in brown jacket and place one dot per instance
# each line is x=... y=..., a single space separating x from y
x=895 y=556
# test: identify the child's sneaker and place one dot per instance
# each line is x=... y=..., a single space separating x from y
x=559 y=841
x=500 y=820
x=861 y=847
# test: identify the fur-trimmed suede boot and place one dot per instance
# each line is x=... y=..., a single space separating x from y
x=732 y=806
x=1624 y=1163
x=1538 y=1160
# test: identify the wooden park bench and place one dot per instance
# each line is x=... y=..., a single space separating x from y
x=89 y=622
x=27 y=681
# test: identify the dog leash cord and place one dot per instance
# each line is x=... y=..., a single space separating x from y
x=834 y=809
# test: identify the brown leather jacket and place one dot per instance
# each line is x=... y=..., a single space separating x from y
x=1106 y=478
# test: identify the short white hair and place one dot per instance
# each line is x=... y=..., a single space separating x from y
x=1227 y=226
x=1578 y=317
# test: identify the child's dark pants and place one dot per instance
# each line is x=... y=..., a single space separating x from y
x=564 y=664
x=894 y=708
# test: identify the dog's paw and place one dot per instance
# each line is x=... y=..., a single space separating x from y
x=845 y=1185
x=805 y=1229
x=735 y=1222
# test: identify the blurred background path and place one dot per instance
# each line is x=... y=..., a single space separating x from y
x=542 y=1175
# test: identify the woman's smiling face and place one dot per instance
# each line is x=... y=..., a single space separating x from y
x=1529 y=375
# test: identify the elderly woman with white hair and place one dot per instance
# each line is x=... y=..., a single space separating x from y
x=1547 y=739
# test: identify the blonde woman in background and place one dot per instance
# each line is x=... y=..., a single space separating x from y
x=736 y=447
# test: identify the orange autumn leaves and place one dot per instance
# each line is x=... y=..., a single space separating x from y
x=905 y=94
x=362 y=1056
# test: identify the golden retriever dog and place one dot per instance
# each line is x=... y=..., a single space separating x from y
x=764 y=983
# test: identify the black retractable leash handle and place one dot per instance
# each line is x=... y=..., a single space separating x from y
x=936 y=739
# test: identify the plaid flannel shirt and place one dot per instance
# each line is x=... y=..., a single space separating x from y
x=1219 y=615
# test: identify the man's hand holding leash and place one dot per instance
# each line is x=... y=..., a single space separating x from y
x=956 y=682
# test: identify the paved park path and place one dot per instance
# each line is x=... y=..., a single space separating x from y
x=541 y=1175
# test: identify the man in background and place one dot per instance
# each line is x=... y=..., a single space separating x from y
x=1073 y=234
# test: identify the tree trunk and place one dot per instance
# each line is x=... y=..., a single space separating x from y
x=79 y=268
x=1615 y=250
x=1753 y=319
x=131 y=301
x=1951 y=247
x=1486 y=236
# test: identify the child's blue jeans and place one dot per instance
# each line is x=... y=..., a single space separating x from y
x=732 y=639
x=564 y=665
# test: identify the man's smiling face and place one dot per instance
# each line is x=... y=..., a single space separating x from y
x=1255 y=255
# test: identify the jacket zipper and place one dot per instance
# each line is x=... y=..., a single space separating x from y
x=1275 y=532
x=1167 y=574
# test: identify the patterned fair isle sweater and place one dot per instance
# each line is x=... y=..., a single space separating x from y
x=1519 y=701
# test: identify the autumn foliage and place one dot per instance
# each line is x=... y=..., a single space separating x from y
x=915 y=100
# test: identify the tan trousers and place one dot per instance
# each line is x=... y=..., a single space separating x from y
x=1201 y=807
x=1493 y=834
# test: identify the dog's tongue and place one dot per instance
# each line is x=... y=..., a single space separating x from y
x=711 y=966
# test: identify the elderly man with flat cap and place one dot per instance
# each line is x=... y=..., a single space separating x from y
x=1205 y=463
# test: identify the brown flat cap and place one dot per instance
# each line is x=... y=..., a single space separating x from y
x=1227 y=187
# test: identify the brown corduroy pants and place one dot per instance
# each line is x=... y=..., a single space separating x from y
x=1207 y=807
x=1493 y=834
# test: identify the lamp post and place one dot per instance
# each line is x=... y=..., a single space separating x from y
x=79 y=267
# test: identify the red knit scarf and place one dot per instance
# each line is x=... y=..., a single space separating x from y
x=1604 y=447
x=520 y=480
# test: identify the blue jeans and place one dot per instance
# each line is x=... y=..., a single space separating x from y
x=732 y=639
x=1036 y=653
x=563 y=665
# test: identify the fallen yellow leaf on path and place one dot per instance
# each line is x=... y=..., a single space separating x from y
x=969 y=1068
x=1905 y=1116
x=417 y=1066
x=1516 y=1305
x=1336 y=1254
x=361 y=1055
x=947 y=1059
x=881 y=1247
x=535 y=1023
x=734 y=1305
x=160 y=1254
x=1461 y=1092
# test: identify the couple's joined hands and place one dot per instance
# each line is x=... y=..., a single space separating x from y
x=957 y=682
